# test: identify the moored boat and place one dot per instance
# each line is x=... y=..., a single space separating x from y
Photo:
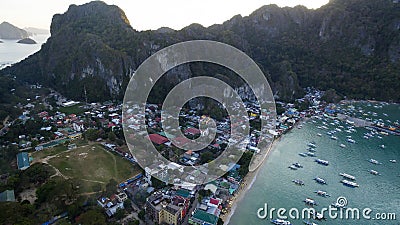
x=281 y=222
x=312 y=145
x=310 y=201
x=374 y=172
x=298 y=182
x=292 y=167
x=312 y=154
x=303 y=154
x=351 y=140
x=322 y=193
x=347 y=176
x=320 y=180
x=322 y=162
x=298 y=165
x=374 y=161
x=311 y=149
x=349 y=183
x=309 y=222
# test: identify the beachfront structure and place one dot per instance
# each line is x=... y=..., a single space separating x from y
x=201 y=217
x=23 y=161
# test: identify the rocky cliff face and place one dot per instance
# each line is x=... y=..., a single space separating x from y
x=352 y=46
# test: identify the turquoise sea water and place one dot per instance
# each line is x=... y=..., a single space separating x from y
x=12 y=52
x=274 y=185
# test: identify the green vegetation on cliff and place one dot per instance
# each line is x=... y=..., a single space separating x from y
x=352 y=46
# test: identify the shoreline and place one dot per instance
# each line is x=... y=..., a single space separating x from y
x=251 y=177
x=246 y=184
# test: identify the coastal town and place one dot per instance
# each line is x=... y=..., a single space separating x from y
x=53 y=121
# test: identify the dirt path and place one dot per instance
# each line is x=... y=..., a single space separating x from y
x=47 y=158
x=58 y=173
x=89 y=193
x=94 y=181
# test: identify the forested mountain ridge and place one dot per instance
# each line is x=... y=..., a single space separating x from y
x=352 y=46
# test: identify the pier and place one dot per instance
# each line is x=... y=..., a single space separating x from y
x=355 y=121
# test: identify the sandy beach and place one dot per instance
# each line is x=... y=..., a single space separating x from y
x=246 y=184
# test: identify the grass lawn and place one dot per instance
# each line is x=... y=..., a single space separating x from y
x=76 y=109
x=48 y=152
x=94 y=166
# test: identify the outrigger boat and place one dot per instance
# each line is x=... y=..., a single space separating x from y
x=310 y=201
x=373 y=161
x=374 y=172
x=298 y=182
x=281 y=222
x=298 y=165
x=309 y=222
x=347 y=176
x=322 y=193
x=320 y=180
x=322 y=162
x=349 y=183
x=292 y=167
x=303 y=154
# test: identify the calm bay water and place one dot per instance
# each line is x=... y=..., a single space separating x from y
x=12 y=52
x=274 y=185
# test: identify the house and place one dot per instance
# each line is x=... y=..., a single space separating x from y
x=75 y=136
x=122 y=197
x=7 y=196
x=157 y=139
x=110 y=205
x=188 y=154
x=23 y=160
x=192 y=131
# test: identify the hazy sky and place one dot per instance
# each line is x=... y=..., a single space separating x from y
x=144 y=14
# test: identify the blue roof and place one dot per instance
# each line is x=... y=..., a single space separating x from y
x=23 y=160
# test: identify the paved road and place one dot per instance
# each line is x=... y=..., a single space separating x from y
x=192 y=208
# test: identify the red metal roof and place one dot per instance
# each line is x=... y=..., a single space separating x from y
x=192 y=130
x=158 y=139
x=181 y=140
x=214 y=201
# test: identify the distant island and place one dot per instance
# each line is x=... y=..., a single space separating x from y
x=9 y=31
x=1 y=42
x=27 y=41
